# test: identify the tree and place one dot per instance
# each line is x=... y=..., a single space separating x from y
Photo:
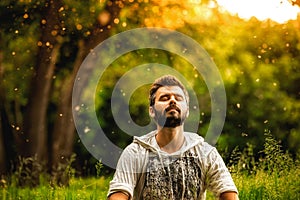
x=64 y=130
x=55 y=27
x=35 y=121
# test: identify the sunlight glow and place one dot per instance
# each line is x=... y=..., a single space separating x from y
x=276 y=10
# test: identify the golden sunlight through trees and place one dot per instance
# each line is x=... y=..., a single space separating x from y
x=276 y=10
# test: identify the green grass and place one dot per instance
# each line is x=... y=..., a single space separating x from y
x=275 y=176
x=85 y=189
x=261 y=185
x=283 y=185
x=264 y=185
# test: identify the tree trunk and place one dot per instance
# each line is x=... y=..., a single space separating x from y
x=35 y=122
x=64 y=128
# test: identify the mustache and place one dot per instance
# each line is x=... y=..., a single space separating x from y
x=173 y=107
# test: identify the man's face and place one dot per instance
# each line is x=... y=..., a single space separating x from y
x=170 y=108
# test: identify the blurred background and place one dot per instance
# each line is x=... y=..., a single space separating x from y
x=254 y=44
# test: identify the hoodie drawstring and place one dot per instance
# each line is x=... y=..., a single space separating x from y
x=183 y=177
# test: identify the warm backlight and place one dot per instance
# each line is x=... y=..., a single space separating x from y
x=276 y=10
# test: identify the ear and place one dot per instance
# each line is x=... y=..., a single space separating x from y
x=151 y=111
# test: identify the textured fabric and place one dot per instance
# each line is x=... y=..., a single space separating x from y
x=179 y=178
x=146 y=172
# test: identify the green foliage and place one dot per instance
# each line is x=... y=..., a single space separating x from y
x=98 y=167
x=85 y=189
x=90 y=188
x=79 y=19
x=255 y=59
x=28 y=172
x=265 y=185
x=275 y=159
x=62 y=173
x=276 y=176
x=243 y=161
x=272 y=158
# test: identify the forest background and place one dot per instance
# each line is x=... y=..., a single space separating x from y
x=44 y=42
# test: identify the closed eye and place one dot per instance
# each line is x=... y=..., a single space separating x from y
x=166 y=97
x=179 y=98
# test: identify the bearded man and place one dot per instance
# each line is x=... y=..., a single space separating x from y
x=169 y=163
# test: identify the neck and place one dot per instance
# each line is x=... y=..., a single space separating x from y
x=170 y=140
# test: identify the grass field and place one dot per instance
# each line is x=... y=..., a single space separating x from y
x=262 y=185
x=89 y=188
x=275 y=177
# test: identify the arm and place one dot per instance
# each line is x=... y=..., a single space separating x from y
x=119 y=196
x=229 y=196
x=219 y=178
x=126 y=176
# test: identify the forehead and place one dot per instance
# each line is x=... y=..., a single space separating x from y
x=175 y=90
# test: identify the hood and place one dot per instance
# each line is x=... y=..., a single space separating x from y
x=192 y=139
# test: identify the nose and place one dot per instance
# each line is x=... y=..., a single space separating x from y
x=172 y=101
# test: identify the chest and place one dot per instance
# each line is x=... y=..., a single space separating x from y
x=172 y=177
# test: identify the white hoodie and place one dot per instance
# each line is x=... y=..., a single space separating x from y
x=146 y=172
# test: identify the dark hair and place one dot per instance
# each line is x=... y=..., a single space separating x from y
x=167 y=80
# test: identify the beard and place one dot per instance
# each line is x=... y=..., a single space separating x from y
x=170 y=120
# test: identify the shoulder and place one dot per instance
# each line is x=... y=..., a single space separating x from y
x=139 y=146
x=132 y=159
x=195 y=140
x=193 y=135
x=207 y=153
x=134 y=149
